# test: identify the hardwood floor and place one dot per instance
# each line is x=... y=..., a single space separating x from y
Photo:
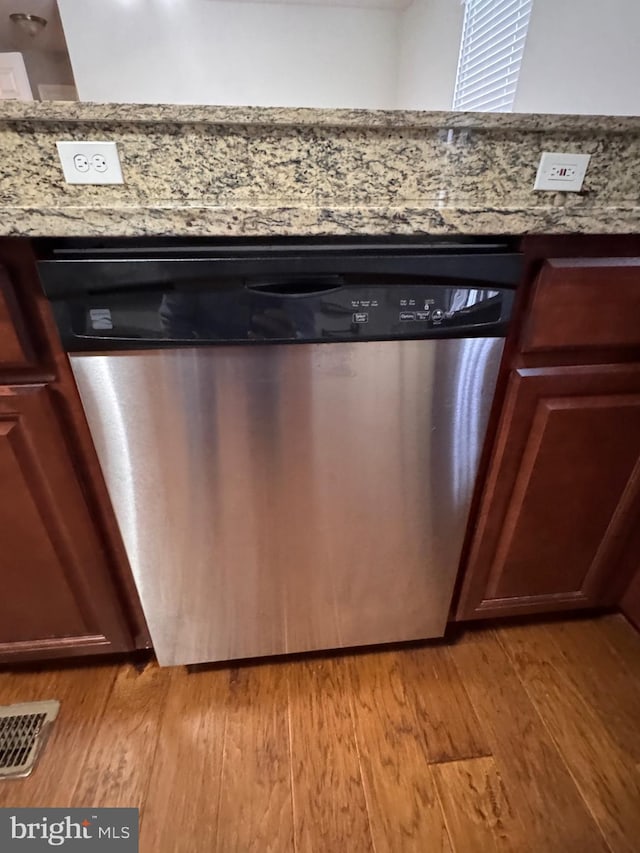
x=519 y=738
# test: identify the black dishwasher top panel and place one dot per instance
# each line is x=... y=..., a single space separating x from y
x=318 y=310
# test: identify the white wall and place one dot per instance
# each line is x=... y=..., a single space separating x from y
x=216 y=52
x=428 y=48
x=581 y=56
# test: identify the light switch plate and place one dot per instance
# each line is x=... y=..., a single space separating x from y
x=90 y=162
x=561 y=172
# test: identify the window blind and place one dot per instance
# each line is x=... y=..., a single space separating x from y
x=493 y=37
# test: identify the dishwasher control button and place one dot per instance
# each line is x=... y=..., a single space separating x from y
x=360 y=317
x=437 y=315
x=407 y=315
x=422 y=315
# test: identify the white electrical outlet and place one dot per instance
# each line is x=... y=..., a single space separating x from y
x=561 y=172
x=90 y=162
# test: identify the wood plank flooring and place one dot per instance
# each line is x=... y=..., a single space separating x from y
x=518 y=738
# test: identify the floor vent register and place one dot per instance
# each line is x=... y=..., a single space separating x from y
x=23 y=731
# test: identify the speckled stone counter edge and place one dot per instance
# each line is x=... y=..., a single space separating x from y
x=286 y=222
x=80 y=111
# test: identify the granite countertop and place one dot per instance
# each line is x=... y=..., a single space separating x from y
x=82 y=111
x=242 y=171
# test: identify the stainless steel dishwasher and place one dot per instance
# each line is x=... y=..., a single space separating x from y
x=289 y=434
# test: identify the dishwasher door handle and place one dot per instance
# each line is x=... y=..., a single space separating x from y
x=297 y=288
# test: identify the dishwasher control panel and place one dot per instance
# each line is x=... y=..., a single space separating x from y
x=179 y=316
x=128 y=296
x=432 y=309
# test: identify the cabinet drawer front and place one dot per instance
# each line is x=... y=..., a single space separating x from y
x=15 y=350
x=585 y=304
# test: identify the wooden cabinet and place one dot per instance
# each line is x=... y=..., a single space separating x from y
x=556 y=521
x=64 y=591
x=630 y=600
x=563 y=494
x=54 y=578
x=583 y=304
x=15 y=348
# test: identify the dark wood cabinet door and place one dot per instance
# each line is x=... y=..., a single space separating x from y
x=56 y=592
x=562 y=496
x=15 y=348
x=630 y=601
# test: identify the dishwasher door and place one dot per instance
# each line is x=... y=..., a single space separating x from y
x=283 y=498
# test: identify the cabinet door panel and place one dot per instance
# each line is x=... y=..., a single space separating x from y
x=630 y=602
x=562 y=493
x=38 y=600
x=52 y=568
x=15 y=350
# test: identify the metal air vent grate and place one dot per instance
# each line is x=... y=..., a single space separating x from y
x=23 y=729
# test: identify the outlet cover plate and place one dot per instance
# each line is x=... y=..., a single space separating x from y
x=561 y=172
x=90 y=162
